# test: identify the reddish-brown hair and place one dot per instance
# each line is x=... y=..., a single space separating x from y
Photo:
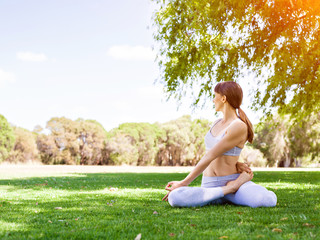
x=234 y=95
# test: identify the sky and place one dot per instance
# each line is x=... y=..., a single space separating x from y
x=84 y=59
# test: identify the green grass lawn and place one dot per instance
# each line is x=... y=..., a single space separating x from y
x=122 y=205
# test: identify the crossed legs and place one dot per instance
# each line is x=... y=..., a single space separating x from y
x=252 y=195
x=240 y=192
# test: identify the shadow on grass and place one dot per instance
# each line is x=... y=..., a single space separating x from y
x=96 y=181
x=99 y=181
x=291 y=177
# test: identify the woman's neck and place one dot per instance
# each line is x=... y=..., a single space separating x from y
x=229 y=114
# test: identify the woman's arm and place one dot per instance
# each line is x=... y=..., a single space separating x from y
x=232 y=138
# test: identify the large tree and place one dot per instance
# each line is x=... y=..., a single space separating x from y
x=285 y=144
x=134 y=143
x=77 y=142
x=201 y=42
x=25 y=147
x=182 y=143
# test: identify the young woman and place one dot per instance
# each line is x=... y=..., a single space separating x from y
x=221 y=181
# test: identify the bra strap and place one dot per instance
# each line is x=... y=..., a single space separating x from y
x=215 y=123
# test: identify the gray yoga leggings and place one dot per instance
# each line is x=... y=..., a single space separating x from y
x=210 y=192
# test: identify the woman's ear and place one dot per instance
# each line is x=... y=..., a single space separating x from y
x=224 y=98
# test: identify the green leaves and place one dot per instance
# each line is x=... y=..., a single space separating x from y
x=203 y=42
x=7 y=138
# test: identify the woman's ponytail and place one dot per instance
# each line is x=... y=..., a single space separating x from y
x=246 y=120
x=234 y=94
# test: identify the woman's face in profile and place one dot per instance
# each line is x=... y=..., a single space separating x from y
x=217 y=100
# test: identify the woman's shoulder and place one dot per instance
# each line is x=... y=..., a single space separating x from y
x=238 y=126
x=239 y=123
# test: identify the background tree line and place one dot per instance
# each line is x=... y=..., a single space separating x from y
x=178 y=142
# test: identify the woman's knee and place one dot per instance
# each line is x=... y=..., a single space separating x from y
x=174 y=198
x=253 y=195
x=271 y=200
x=265 y=199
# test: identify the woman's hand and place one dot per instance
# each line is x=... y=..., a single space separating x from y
x=171 y=186
x=243 y=167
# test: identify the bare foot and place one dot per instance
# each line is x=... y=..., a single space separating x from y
x=234 y=185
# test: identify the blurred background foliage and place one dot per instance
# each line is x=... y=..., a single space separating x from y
x=179 y=142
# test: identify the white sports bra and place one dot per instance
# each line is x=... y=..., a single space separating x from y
x=210 y=141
